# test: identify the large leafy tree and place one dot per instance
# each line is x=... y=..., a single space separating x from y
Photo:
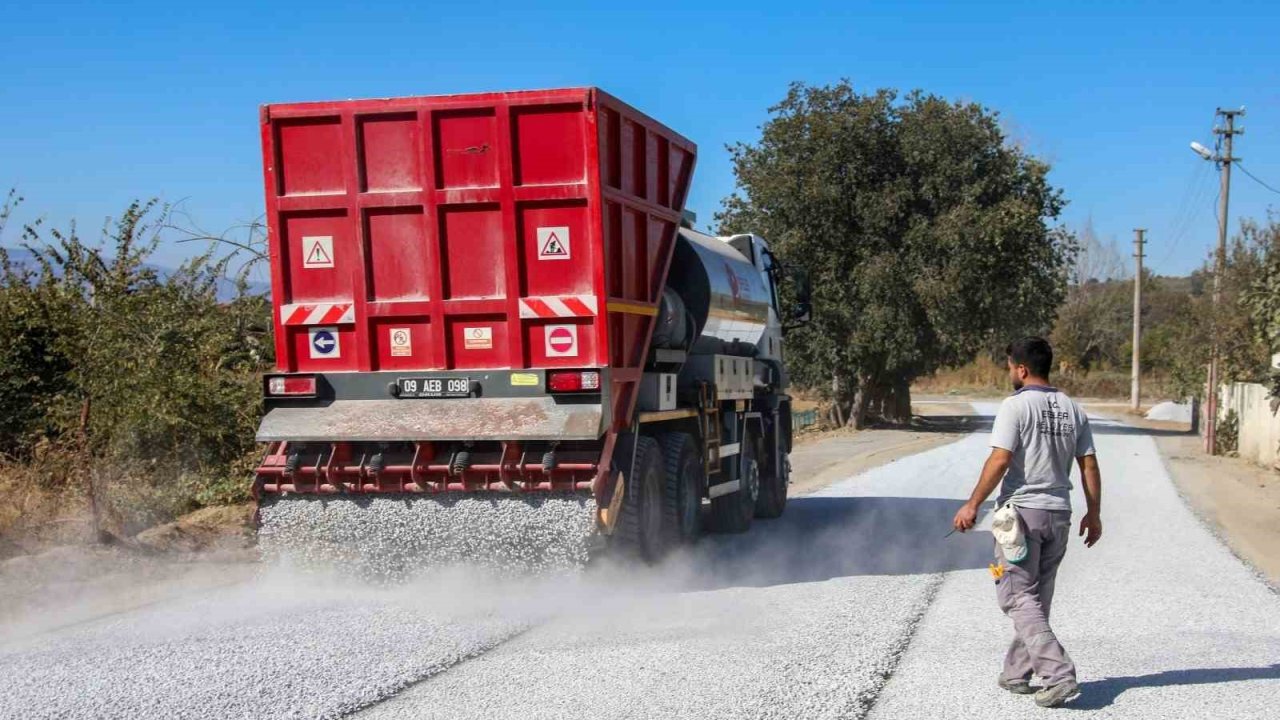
x=926 y=233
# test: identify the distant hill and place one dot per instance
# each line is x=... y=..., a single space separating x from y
x=226 y=286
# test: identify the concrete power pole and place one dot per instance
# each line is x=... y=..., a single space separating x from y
x=1139 y=237
x=1228 y=131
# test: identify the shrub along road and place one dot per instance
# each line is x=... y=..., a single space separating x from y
x=852 y=603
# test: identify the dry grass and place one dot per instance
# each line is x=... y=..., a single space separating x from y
x=38 y=505
x=45 y=500
x=985 y=377
x=980 y=377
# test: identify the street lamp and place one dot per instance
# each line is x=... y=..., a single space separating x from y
x=1223 y=161
x=1201 y=150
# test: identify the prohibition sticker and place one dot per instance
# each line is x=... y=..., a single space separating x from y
x=553 y=243
x=562 y=340
x=477 y=338
x=401 y=342
x=324 y=342
x=317 y=251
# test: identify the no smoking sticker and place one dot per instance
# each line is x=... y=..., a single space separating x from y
x=562 y=340
x=401 y=342
x=317 y=251
x=553 y=243
x=477 y=338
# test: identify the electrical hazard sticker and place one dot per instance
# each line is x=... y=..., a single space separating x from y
x=401 y=342
x=317 y=251
x=324 y=343
x=477 y=338
x=553 y=243
x=562 y=340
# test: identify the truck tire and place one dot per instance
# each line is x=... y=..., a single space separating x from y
x=682 y=490
x=639 y=532
x=732 y=512
x=773 y=486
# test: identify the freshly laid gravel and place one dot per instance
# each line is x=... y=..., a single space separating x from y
x=387 y=536
x=812 y=651
x=278 y=648
x=802 y=617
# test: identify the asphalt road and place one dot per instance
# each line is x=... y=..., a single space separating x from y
x=852 y=603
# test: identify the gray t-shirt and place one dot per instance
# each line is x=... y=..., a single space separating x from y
x=1045 y=430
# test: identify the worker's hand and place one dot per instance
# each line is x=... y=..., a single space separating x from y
x=1091 y=528
x=966 y=516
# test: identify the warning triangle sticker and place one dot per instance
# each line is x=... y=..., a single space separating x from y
x=318 y=256
x=553 y=243
x=317 y=251
x=553 y=247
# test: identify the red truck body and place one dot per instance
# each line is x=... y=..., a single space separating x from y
x=443 y=215
x=481 y=232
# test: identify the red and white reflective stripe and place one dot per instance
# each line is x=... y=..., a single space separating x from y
x=561 y=306
x=321 y=314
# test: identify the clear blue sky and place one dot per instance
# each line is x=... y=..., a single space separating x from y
x=103 y=102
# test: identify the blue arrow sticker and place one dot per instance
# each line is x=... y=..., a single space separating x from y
x=324 y=343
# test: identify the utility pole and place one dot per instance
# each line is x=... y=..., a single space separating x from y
x=1228 y=131
x=1139 y=237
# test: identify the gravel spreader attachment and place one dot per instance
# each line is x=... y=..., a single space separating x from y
x=389 y=536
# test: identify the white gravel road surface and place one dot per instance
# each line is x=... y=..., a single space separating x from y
x=852 y=603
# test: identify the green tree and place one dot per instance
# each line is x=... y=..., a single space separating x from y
x=1238 y=322
x=925 y=231
x=1093 y=324
x=1261 y=299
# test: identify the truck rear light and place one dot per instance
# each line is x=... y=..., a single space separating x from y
x=567 y=381
x=291 y=386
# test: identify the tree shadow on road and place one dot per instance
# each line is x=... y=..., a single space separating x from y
x=1102 y=693
x=982 y=423
x=820 y=538
x=950 y=423
x=1103 y=427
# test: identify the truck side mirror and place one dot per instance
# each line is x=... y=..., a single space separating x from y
x=803 y=309
x=804 y=296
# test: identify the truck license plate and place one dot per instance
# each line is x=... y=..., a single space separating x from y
x=431 y=387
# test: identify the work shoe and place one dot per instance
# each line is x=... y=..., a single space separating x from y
x=1017 y=687
x=1058 y=695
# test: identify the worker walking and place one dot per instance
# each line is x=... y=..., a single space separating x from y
x=1037 y=432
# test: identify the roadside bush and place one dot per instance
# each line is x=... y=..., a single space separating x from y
x=144 y=379
x=1227 y=439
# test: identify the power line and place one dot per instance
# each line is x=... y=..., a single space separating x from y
x=1256 y=179
x=1191 y=207
x=1189 y=211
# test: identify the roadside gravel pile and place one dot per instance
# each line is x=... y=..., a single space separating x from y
x=389 y=536
x=298 y=649
x=1171 y=411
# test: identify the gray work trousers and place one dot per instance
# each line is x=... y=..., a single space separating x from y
x=1025 y=592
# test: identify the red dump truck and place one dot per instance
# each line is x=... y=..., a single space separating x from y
x=498 y=292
